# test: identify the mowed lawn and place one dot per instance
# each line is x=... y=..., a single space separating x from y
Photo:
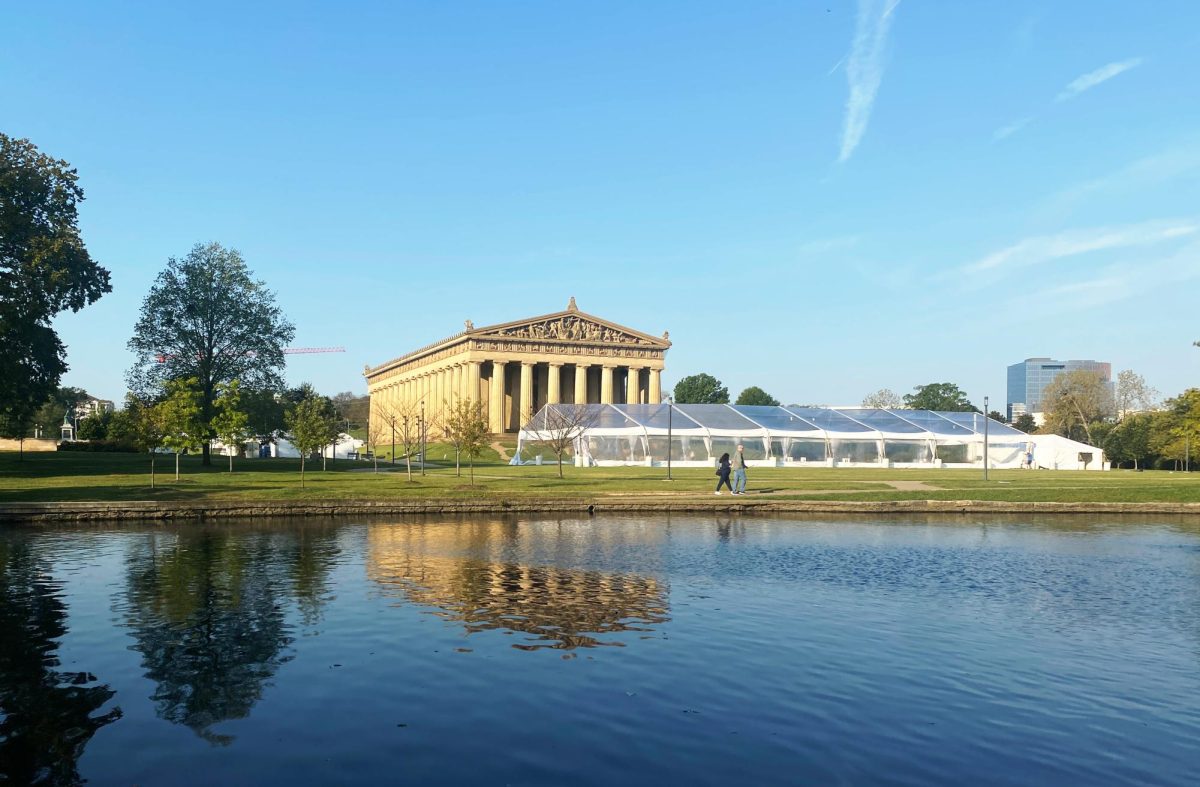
x=72 y=476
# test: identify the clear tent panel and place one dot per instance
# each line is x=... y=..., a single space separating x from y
x=601 y=416
x=716 y=416
x=882 y=420
x=830 y=420
x=753 y=446
x=854 y=450
x=908 y=451
x=655 y=416
x=932 y=422
x=974 y=421
x=775 y=418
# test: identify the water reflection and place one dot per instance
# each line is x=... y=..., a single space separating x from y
x=490 y=576
x=207 y=610
x=46 y=715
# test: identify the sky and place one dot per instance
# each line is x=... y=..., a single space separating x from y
x=819 y=198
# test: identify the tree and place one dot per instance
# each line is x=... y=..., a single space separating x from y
x=468 y=428
x=377 y=426
x=15 y=421
x=756 y=395
x=95 y=426
x=45 y=269
x=1025 y=422
x=942 y=397
x=231 y=424
x=353 y=409
x=146 y=428
x=206 y=318
x=996 y=415
x=1129 y=439
x=404 y=420
x=1073 y=401
x=308 y=428
x=180 y=417
x=883 y=399
x=701 y=389
x=558 y=426
x=1132 y=394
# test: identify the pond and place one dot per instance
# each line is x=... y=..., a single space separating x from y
x=605 y=650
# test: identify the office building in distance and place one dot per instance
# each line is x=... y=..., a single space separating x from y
x=1028 y=379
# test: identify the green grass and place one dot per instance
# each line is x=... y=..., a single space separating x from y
x=103 y=477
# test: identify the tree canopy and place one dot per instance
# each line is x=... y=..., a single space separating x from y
x=756 y=395
x=701 y=389
x=943 y=397
x=883 y=399
x=1074 y=401
x=206 y=317
x=45 y=269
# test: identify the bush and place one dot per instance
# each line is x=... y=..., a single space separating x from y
x=100 y=446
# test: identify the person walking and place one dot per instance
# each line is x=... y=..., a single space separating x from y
x=739 y=471
x=723 y=473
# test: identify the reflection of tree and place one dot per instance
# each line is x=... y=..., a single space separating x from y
x=45 y=715
x=206 y=608
x=561 y=607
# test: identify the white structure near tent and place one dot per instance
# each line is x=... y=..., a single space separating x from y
x=637 y=434
x=1054 y=452
x=282 y=448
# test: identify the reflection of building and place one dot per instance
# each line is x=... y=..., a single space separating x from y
x=1027 y=381
x=461 y=570
x=514 y=368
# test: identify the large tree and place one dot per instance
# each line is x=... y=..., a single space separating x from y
x=701 y=389
x=943 y=397
x=1133 y=394
x=44 y=270
x=1075 y=400
x=756 y=395
x=883 y=399
x=206 y=317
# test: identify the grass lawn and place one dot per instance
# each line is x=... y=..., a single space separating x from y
x=70 y=476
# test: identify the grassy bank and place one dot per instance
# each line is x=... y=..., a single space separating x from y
x=122 y=477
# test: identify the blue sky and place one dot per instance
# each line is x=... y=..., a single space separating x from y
x=822 y=199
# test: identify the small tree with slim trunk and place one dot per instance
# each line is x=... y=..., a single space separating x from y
x=468 y=431
x=231 y=423
x=179 y=416
x=405 y=419
x=558 y=426
x=145 y=425
x=377 y=427
x=308 y=428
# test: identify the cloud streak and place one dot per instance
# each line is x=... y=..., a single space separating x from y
x=864 y=69
x=1099 y=76
x=1004 y=132
x=1041 y=249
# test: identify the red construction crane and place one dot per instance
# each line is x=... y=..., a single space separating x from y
x=162 y=357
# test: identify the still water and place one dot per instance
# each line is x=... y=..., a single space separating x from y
x=668 y=650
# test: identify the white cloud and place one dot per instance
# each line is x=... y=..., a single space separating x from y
x=1093 y=78
x=1047 y=248
x=864 y=69
x=1004 y=132
x=1149 y=171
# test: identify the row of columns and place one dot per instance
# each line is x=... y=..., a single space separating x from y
x=440 y=387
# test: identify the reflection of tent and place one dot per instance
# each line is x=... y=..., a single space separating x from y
x=637 y=434
x=1053 y=452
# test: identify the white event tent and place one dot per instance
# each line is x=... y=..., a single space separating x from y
x=775 y=436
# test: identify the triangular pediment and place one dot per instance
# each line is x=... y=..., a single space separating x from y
x=570 y=326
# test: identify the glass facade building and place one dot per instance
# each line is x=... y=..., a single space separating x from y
x=1028 y=379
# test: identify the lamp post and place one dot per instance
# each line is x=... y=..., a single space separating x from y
x=424 y=425
x=670 y=410
x=393 y=422
x=985 y=438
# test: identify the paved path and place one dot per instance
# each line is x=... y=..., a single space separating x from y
x=501 y=450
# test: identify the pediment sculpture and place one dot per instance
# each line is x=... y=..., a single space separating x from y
x=571 y=328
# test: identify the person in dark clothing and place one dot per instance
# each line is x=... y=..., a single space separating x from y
x=723 y=473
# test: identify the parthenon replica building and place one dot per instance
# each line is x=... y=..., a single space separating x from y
x=515 y=368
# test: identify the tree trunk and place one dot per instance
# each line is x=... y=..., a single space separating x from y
x=301 y=470
x=323 y=458
x=206 y=453
x=471 y=460
x=151 y=469
x=560 y=475
x=21 y=449
x=457 y=466
x=231 y=463
x=408 y=464
x=176 y=465
x=376 y=456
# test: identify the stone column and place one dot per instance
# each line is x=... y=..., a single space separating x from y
x=554 y=383
x=633 y=385
x=460 y=382
x=473 y=382
x=526 y=408
x=496 y=405
x=606 y=384
x=581 y=371
x=655 y=386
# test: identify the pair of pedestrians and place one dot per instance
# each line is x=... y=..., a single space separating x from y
x=738 y=466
